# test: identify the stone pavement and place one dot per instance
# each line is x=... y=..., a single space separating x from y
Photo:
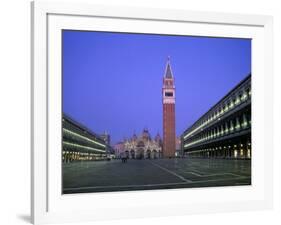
x=103 y=176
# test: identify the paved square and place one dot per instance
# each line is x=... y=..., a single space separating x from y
x=102 y=176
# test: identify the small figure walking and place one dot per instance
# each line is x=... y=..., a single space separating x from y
x=124 y=157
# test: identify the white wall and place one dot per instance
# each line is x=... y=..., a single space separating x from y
x=15 y=108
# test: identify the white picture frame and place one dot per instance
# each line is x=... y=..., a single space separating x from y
x=47 y=206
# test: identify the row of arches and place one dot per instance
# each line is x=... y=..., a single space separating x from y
x=235 y=150
x=231 y=102
x=72 y=156
x=141 y=153
x=226 y=127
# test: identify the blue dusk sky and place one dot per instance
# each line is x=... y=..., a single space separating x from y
x=113 y=81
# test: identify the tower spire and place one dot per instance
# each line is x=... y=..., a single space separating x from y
x=168 y=71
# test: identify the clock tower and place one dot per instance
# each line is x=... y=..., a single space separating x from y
x=168 y=98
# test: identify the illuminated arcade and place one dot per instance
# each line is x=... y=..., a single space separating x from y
x=225 y=130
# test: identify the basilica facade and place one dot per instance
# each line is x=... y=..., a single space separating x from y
x=140 y=147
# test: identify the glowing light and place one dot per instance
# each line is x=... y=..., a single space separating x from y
x=82 y=146
x=241 y=152
x=83 y=137
x=244 y=97
x=237 y=101
x=248 y=153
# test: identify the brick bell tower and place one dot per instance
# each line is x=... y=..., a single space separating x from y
x=168 y=96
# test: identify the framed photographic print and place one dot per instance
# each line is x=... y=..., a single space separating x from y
x=149 y=112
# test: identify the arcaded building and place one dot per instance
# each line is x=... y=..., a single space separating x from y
x=80 y=143
x=224 y=131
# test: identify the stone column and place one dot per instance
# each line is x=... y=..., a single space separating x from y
x=237 y=126
x=245 y=121
x=226 y=128
x=222 y=130
x=231 y=126
x=218 y=131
